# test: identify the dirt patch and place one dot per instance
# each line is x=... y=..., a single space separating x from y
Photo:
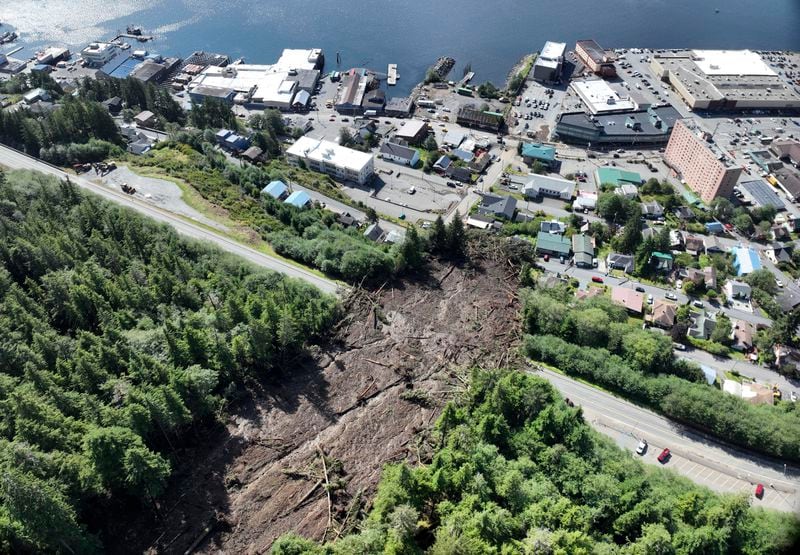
x=338 y=416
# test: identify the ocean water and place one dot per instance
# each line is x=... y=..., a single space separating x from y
x=490 y=36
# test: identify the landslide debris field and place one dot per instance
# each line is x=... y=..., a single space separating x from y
x=366 y=398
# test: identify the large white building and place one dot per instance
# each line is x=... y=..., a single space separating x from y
x=257 y=86
x=97 y=54
x=342 y=163
x=599 y=97
x=724 y=80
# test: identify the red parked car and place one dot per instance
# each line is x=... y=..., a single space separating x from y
x=664 y=456
x=760 y=491
x=597 y=279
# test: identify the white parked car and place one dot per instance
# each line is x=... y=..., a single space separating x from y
x=642 y=447
x=779 y=283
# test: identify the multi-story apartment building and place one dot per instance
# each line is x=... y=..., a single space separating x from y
x=700 y=163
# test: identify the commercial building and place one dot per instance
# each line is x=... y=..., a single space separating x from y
x=549 y=63
x=337 y=161
x=470 y=117
x=544 y=185
x=761 y=194
x=536 y=152
x=788 y=179
x=399 y=107
x=255 y=86
x=616 y=177
x=600 y=97
x=350 y=97
x=787 y=149
x=724 y=80
x=594 y=57
x=701 y=164
x=97 y=54
x=412 y=132
x=651 y=127
x=400 y=154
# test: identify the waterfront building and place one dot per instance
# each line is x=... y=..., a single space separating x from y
x=595 y=58
x=470 y=117
x=350 y=97
x=643 y=128
x=342 y=163
x=701 y=164
x=97 y=54
x=599 y=97
x=549 y=63
x=724 y=80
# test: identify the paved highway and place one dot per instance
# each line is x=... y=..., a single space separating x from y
x=704 y=460
x=16 y=160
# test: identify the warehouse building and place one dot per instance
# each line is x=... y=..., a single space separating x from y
x=761 y=194
x=489 y=121
x=724 y=80
x=651 y=127
x=594 y=57
x=350 y=97
x=344 y=164
x=701 y=164
x=97 y=54
x=550 y=62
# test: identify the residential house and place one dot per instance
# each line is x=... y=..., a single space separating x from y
x=628 y=191
x=737 y=290
x=683 y=213
x=553 y=245
x=298 y=199
x=547 y=186
x=113 y=105
x=374 y=232
x=140 y=145
x=479 y=164
x=714 y=227
x=618 y=261
x=253 y=154
x=779 y=233
x=778 y=253
x=742 y=334
x=35 y=95
x=753 y=393
x=675 y=239
x=276 y=189
x=400 y=154
x=630 y=299
x=661 y=261
x=145 y=118
x=464 y=175
x=346 y=220
x=652 y=210
x=482 y=222
x=664 y=314
x=694 y=244
x=394 y=236
x=585 y=200
x=443 y=163
x=464 y=155
x=583 y=251
x=787 y=299
x=454 y=138
x=494 y=205
x=553 y=226
x=712 y=245
x=702 y=325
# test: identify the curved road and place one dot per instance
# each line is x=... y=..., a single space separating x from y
x=16 y=160
x=702 y=459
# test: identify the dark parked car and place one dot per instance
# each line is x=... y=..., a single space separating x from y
x=640 y=289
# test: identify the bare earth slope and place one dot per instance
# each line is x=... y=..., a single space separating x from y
x=361 y=400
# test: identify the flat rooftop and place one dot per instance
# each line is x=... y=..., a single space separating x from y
x=599 y=96
x=593 y=50
x=553 y=50
x=330 y=153
x=629 y=124
x=731 y=62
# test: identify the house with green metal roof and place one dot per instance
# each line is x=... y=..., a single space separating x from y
x=536 y=152
x=617 y=177
x=583 y=250
x=554 y=245
x=662 y=261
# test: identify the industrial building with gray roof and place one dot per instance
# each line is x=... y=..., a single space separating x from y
x=643 y=127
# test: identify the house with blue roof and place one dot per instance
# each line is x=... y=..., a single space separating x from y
x=276 y=189
x=221 y=135
x=236 y=142
x=536 y=152
x=745 y=260
x=714 y=227
x=300 y=199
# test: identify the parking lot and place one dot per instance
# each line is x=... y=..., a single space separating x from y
x=781 y=495
x=535 y=115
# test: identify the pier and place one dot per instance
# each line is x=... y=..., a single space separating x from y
x=392 y=78
x=467 y=78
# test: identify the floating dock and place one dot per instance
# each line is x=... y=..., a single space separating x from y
x=392 y=75
x=467 y=78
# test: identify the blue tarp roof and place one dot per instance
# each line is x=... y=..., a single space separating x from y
x=298 y=199
x=714 y=226
x=120 y=66
x=275 y=189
